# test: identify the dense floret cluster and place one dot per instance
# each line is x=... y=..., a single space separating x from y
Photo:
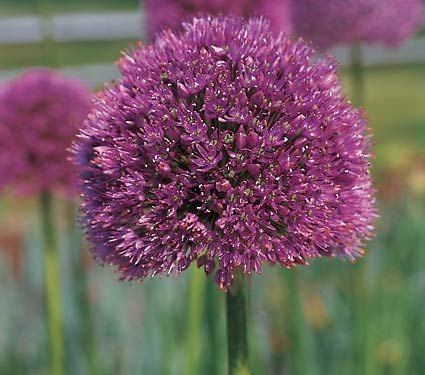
x=227 y=146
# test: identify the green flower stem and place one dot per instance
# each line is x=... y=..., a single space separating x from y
x=236 y=316
x=194 y=321
x=82 y=295
x=357 y=72
x=52 y=282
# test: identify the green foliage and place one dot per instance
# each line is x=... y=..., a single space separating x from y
x=64 y=54
x=23 y=7
x=302 y=320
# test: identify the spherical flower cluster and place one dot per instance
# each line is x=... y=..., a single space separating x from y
x=226 y=146
x=40 y=112
x=158 y=12
x=332 y=22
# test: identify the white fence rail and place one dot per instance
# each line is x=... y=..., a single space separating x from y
x=20 y=30
x=72 y=26
x=121 y=25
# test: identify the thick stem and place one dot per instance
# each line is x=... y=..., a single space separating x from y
x=52 y=287
x=236 y=316
x=357 y=72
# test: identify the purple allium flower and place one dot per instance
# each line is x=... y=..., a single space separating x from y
x=40 y=112
x=225 y=145
x=331 y=22
x=171 y=13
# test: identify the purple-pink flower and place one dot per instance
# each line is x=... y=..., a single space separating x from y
x=40 y=112
x=227 y=146
x=162 y=14
x=331 y=22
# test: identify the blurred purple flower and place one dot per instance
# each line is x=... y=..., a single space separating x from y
x=331 y=22
x=40 y=112
x=171 y=13
x=228 y=146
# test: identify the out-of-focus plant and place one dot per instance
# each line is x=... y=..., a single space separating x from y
x=40 y=112
x=162 y=14
x=332 y=22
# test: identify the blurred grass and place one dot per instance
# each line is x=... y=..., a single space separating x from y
x=30 y=7
x=396 y=336
x=301 y=319
x=394 y=103
x=70 y=53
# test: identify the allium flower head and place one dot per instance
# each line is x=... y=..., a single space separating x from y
x=331 y=22
x=40 y=112
x=226 y=146
x=171 y=13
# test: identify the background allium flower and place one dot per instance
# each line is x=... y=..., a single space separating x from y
x=331 y=22
x=40 y=112
x=171 y=13
x=225 y=145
